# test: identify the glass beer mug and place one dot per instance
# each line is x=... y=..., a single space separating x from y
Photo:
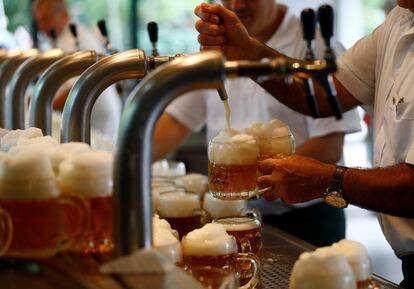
x=232 y=165
x=6 y=231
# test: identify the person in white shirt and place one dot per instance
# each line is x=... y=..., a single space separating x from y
x=323 y=139
x=54 y=14
x=377 y=72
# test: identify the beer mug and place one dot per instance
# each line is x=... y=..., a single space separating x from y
x=196 y=183
x=88 y=177
x=181 y=209
x=274 y=139
x=232 y=165
x=165 y=240
x=167 y=168
x=6 y=231
x=213 y=246
x=214 y=277
x=247 y=230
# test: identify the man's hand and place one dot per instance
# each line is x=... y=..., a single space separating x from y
x=295 y=179
x=220 y=28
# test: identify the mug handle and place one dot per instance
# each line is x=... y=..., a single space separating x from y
x=249 y=211
x=72 y=239
x=6 y=231
x=252 y=258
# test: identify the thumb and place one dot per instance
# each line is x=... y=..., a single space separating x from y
x=227 y=17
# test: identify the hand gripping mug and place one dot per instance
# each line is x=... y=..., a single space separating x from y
x=232 y=165
x=212 y=246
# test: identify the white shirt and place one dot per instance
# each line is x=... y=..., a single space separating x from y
x=106 y=111
x=250 y=103
x=378 y=71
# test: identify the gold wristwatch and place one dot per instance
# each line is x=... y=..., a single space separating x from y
x=333 y=194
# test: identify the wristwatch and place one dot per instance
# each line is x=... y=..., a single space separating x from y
x=333 y=194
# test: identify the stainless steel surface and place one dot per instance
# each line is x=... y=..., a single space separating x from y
x=40 y=114
x=27 y=71
x=77 y=112
x=8 y=66
x=133 y=207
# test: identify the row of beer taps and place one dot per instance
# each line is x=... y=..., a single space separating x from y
x=176 y=76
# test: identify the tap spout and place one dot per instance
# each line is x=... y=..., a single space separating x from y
x=26 y=72
x=132 y=169
x=40 y=114
x=76 y=116
x=8 y=66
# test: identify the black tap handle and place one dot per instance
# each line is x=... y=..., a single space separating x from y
x=326 y=22
x=310 y=97
x=73 y=29
x=152 y=28
x=329 y=85
x=308 y=20
x=53 y=34
x=102 y=27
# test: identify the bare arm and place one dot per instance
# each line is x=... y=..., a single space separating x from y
x=298 y=179
x=168 y=135
x=327 y=148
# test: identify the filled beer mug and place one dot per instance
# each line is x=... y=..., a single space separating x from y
x=29 y=195
x=212 y=246
x=247 y=230
x=182 y=210
x=165 y=240
x=6 y=231
x=169 y=169
x=217 y=208
x=274 y=139
x=214 y=277
x=232 y=166
x=196 y=183
x=88 y=176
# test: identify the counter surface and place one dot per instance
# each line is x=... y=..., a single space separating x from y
x=280 y=252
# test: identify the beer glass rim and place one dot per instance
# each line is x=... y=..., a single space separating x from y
x=245 y=219
x=179 y=189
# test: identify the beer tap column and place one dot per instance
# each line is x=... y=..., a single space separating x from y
x=40 y=114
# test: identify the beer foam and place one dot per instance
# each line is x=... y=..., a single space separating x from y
x=222 y=208
x=210 y=240
x=11 y=138
x=322 y=270
x=157 y=190
x=239 y=223
x=27 y=175
x=88 y=174
x=196 y=183
x=178 y=204
x=3 y=131
x=231 y=147
x=65 y=151
x=168 y=169
x=167 y=244
x=274 y=128
x=357 y=257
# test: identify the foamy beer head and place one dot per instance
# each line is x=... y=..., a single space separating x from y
x=27 y=175
x=88 y=174
x=322 y=270
x=217 y=208
x=157 y=189
x=232 y=168
x=357 y=257
x=166 y=168
x=178 y=204
x=210 y=240
x=165 y=241
x=3 y=131
x=11 y=138
x=196 y=183
x=66 y=150
x=274 y=138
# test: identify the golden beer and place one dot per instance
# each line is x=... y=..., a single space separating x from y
x=215 y=277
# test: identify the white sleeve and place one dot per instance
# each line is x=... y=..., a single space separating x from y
x=189 y=109
x=356 y=67
x=350 y=122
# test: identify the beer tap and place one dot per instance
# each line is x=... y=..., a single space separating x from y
x=308 y=20
x=104 y=31
x=8 y=66
x=27 y=71
x=326 y=20
x=53 y=36
x=40 y=113
x=152 y=28
x=132 y=168
x=74 y=31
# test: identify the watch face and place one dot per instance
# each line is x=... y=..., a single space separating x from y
x=335 y=201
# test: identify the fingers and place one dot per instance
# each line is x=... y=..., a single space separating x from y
x=209 y=28
x=206 y=16
x=206 y=40
x=206 y=11
x=267 y=166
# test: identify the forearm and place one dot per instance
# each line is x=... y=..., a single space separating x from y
x=389 y=190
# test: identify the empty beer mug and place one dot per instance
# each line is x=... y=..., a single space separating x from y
x=182 y=210
x=212 y=246
x=232 y=165
x=6 y=231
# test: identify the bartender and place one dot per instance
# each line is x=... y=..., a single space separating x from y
x=377 y=72
x=54 y=15
x=322 y=139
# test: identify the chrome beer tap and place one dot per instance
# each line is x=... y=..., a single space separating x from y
x=104 y=32
x=132 y=168
x=326 y=20
x=27 y=71
x=308 y=20
x=40 y=114
x=74 y=31
x=8 y=66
